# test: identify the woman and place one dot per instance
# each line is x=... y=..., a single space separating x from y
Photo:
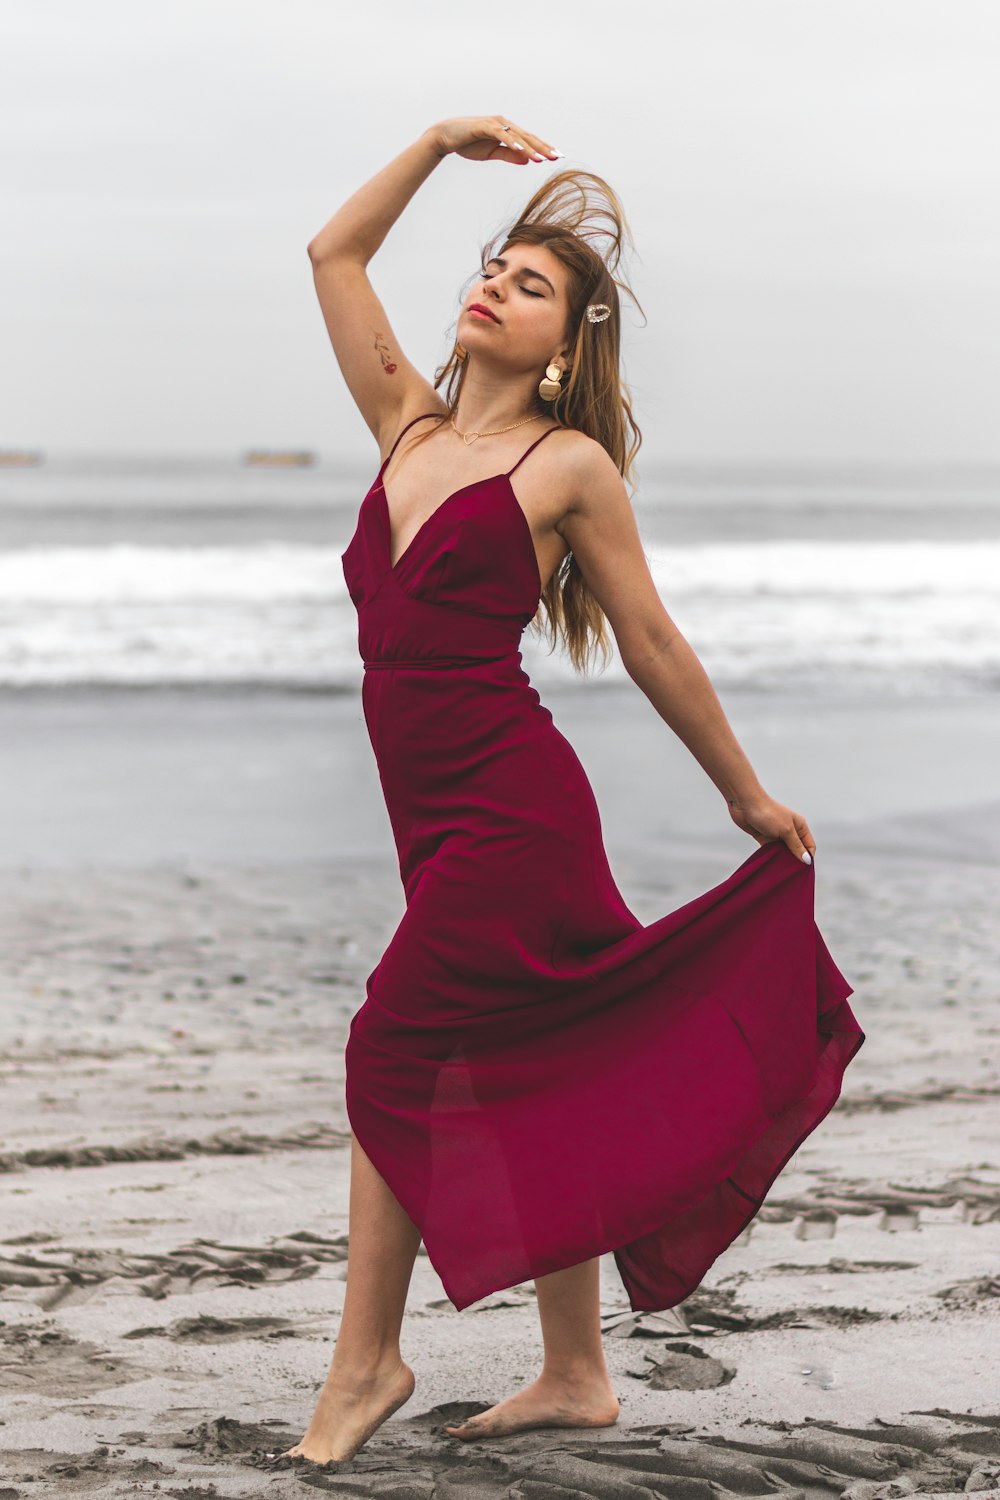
x=535 y=1078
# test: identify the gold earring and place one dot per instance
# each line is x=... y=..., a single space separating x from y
x=550 y=386
x=460 y=351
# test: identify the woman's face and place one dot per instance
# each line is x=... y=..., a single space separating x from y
x=525 y=290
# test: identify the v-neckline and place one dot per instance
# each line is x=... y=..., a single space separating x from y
x=387 y=517
x=491 y=479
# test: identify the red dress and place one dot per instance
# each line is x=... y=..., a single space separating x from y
x=537 y=1076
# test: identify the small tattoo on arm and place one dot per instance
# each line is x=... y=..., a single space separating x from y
x=385 y=355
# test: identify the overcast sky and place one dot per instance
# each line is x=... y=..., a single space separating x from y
x=812 y=185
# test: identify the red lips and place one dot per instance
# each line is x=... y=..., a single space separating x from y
x=478 y=307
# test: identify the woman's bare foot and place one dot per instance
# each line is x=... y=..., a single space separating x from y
x=548 y=1402
x=349 y=1410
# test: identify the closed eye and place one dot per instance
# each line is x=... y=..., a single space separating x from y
x=487 y=275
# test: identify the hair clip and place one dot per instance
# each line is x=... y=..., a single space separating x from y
x=597 y=312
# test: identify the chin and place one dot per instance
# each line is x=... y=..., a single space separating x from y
x=486 y=344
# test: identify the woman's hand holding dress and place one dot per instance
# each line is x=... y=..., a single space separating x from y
x=767 y=820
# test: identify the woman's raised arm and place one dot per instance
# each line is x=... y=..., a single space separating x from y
x=385 y=385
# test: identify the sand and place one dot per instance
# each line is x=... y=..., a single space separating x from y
x=193 y=891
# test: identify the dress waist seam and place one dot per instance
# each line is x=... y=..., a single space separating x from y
x=437 y=662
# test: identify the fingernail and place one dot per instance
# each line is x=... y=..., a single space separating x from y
x=554 y=152
x=807 y=858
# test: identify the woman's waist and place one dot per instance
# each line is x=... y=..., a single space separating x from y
x=412 y=704
x=431 y=637
x=438 y=663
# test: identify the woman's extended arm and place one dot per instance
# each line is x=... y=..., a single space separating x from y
x=679 y=688
x=386 y=387
x=600 y=528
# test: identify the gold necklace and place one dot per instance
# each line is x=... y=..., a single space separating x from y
x=469 y=437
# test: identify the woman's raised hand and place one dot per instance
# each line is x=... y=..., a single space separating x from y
x=490 y=138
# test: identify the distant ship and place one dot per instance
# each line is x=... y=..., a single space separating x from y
x=19 y=458
x=279 y=458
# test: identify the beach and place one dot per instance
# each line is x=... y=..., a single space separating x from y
x=198 y=874
x=195 y=885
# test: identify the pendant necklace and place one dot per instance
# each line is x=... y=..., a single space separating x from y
x=470 y=437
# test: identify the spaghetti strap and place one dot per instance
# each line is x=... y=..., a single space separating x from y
x=533 y=446
x=403 y=433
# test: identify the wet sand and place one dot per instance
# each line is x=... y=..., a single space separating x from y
x=193 y=890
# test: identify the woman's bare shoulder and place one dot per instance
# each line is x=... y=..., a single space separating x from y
x=588 y=465
x=425 y=402
x=578 y=452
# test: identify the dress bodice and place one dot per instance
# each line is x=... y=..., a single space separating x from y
x=463 y=589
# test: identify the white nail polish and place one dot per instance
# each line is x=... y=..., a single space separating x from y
x=807 y=858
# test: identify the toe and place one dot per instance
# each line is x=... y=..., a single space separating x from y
x=465 y=1429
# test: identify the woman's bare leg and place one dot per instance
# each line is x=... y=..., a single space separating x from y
x=574 y=1388
x=368 y=1379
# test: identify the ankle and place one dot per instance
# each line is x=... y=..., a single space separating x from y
x=365 y=1368
x=576 y=1372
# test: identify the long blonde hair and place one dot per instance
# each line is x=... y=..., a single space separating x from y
x=578 y=217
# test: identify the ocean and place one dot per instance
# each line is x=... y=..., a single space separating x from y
x=196 y=571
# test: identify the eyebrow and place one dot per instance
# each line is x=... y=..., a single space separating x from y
x=499 y=260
